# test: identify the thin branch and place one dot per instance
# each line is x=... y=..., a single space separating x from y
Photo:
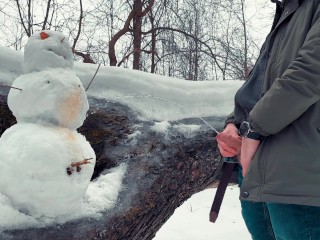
x=21 y=18
x=80 y=24
x=188 y=35
x=47 y=15
x=148 y=8
x=29 y=17
x=86 y=56
x=3 y=85
x=53 y=11
x=93 y=76
x=133 y=51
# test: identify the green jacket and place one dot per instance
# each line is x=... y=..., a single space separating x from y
x=286 y=167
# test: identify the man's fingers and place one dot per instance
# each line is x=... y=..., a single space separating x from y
x=233 y=141
x=226 y=151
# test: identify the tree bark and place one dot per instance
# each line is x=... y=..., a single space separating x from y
x=163 y=172
x=136 y=29
x=153 y=43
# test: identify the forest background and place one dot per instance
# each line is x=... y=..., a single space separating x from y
x=189 y=39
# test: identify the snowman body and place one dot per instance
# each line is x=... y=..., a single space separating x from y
x=53 y=96
x=45 y=164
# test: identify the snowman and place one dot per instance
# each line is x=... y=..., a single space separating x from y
x=45 y=164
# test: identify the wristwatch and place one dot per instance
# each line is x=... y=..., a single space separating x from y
x=246 y=131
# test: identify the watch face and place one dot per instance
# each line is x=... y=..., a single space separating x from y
x=244 y=129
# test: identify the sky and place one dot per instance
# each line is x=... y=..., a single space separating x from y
x=156 y=98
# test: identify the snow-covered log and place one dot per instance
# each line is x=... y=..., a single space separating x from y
x=163 y=169
x=154 y=141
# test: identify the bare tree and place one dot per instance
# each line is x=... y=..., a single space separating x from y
x=26 y=16
x=136 y=14
x=196 y=40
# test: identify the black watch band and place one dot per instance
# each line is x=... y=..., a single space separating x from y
x=246 y=131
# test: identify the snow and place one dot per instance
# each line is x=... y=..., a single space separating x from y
x=158 y=97
x=100 y=196
x=50 y=96
x=188 y=130
x=191 y=220
x=53 y=51
x=41 y=185
x=153 y=97
x=51 y=162
x=161 y=126
x=103 y=192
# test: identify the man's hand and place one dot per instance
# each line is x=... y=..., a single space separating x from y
x=248 y=150
x=229 y=141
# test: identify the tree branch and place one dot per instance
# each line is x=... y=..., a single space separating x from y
x=188 y=35
x=21 y=18
x=80 y=24
x=124 y=30
x=148 y=8
x=86 y=56
x=29 y=17
x=133 y=51
x=47 y=15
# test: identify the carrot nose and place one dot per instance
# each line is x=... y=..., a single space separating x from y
x=44 y=35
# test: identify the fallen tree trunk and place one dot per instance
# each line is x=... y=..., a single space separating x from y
x=164 y=170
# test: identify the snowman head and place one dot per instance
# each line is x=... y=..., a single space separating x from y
x=47 y=49
x=52 y=96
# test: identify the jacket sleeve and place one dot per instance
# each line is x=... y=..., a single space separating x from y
x=292 y=94
x=230 y=119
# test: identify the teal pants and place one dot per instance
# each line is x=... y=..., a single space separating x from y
x=275 y=221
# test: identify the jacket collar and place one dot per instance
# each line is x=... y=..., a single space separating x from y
x=284 y=10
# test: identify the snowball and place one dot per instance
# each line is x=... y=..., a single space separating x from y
x=53 y=96
x=33 y=169
x=51 y=52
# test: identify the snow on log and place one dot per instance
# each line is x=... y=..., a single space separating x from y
x=166 y=163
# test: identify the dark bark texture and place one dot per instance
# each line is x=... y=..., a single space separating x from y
x=163 y=171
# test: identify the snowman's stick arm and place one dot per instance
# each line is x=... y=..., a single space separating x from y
x=85 y=161
x=2 y=85
x=93 y=76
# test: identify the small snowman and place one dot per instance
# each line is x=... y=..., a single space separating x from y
x=45 y=164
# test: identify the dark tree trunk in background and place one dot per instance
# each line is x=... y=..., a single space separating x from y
x=137 y=21
x=162 y=172
x=153 y=42
x=136 y=15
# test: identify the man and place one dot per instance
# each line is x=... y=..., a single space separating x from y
x=277 y=114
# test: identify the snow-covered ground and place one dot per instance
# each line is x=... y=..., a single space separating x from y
x=191 y=220
x=156 y=98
